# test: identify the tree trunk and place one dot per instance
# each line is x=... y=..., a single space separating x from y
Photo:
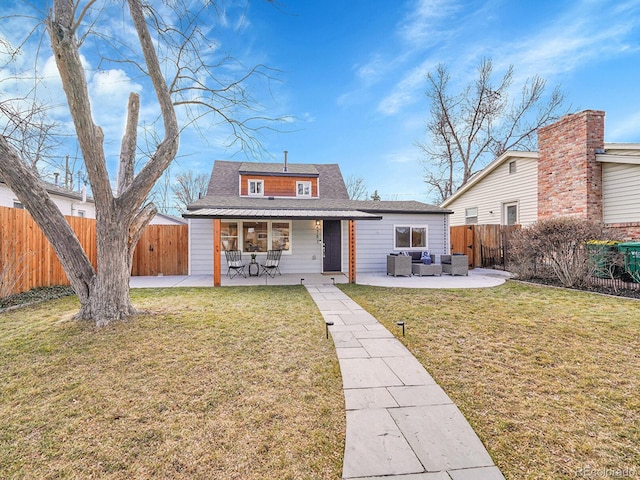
x=109 y=295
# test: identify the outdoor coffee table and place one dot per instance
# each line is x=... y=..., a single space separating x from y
x=423 y=270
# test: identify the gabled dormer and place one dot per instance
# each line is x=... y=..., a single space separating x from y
x=278 y=180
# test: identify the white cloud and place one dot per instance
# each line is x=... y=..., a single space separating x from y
x=589 y=32
x=407 y=91
x=424 y=22
x=623 y=129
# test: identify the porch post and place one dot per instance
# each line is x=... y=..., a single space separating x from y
x=217 y=242
x=352 y=251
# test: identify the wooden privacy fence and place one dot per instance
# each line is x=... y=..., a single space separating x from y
x=486 y=245
x=27 y=260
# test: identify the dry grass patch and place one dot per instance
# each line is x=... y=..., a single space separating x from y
x=549 y=379
x=233 y=383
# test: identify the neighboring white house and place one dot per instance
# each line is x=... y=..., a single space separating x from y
x=574 y=173
x=76 y=204
x=305 y=211
x=505 y=193
x=164 y=219
x=70 y=202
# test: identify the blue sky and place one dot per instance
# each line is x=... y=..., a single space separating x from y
x=352 y=74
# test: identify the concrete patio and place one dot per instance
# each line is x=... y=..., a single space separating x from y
x=477 y=278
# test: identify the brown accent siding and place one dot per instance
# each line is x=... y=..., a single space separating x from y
x=275 y=186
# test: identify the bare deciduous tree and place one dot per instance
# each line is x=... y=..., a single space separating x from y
x=188 y=188
x=179 y=51
x=356 y=187
x=468 y=129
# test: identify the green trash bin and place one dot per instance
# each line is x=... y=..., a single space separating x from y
x=631 y=252
x=602 y=257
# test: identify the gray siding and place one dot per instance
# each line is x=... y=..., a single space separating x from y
x=200 y=246
x=305 y=255
x=375 y=238
x=500 y=187
x=306 y=250
x=374 y=241
x=620 y=192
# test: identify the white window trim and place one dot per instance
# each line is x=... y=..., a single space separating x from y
x=270 y=223
x=304 y=184
x=256 y=181
x=411 y=227
x=505 y=206
x=467 y=216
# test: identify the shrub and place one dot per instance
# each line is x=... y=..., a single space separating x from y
x=555 y=248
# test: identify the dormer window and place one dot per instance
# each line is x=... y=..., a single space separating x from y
x=303 y=189
x=256 y=188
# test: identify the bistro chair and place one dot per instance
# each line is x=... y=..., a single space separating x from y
x=271 y=264
x=234 y=262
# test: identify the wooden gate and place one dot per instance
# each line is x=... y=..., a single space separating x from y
x=463 y=241
x=486 y=245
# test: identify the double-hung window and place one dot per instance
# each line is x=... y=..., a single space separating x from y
x=410 y=237
x=303 y=189
x=255 y=187
x=471 y=215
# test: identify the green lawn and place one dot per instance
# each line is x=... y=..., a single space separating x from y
x=549 y=378
x=232 y=383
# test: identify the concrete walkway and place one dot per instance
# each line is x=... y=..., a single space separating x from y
x=400 y=423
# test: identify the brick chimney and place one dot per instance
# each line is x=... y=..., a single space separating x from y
x=569 y=178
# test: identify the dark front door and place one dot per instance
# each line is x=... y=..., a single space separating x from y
x=332 y=250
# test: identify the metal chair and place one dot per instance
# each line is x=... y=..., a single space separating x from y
x=234 y=262
x=271 y=264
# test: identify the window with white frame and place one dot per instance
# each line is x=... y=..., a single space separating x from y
x=410 y=237
x=510 y=215
x=471 y=215
x=256 y=237
x=512 y=167
x=303 y=189
x=255 y=187
x=229 y=235
x=280 y=233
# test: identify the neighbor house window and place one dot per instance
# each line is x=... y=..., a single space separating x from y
x=256 y=187
x=229 y=235
x=511 y=213
x=407 y=236
x=81 y=213
x=471 y=215
x=303 y=189
x=17 y=204
x=512 y=167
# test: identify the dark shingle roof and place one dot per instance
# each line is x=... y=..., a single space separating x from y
x=370 y=206
x=278 y=168
x=225 y=174
x=223 y=193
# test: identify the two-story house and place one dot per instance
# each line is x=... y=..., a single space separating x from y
x=573 y=173
x=305 y=211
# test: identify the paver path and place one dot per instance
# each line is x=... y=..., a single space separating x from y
x=400 y=423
